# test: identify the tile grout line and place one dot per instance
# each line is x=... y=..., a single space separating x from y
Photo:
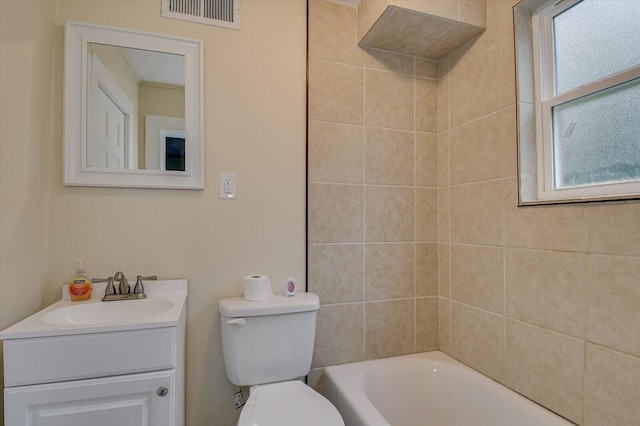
x=364 y=207
x=415 y=173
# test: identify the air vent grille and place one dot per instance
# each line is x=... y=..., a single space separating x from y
x=221 y=13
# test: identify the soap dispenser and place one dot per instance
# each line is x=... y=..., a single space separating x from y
x=80 y=283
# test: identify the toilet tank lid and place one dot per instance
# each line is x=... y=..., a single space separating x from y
x=238 y=307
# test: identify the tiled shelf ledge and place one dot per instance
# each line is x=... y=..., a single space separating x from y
x=421 y=33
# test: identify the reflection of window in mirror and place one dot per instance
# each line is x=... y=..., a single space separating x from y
x=157 y=129
x=125 y=86
x=172 y=150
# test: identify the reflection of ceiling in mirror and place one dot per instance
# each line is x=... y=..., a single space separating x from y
x=157 y=67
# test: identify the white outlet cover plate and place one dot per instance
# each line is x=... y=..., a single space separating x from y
x=228 y=189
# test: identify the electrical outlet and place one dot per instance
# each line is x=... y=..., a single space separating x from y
x=228 y=186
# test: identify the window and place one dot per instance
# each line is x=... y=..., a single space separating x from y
x=579 y=128
x=174 y=154
x=172 y=150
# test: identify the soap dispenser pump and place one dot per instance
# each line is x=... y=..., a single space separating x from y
x=80 y=283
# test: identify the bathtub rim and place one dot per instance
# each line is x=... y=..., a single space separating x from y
x=353 y=374
x=359 y=410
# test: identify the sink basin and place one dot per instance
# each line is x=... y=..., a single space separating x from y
x=106 y=312
x=163 y=307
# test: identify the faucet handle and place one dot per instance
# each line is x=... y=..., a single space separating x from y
x=111 y=288
x=150 y=277
x=139 y=288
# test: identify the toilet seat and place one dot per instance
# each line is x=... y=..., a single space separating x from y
x=290 y=403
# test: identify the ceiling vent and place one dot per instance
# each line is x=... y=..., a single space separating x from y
x=221 y=13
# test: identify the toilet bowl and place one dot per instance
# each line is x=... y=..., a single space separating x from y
x=267 y=345
x=290 y=403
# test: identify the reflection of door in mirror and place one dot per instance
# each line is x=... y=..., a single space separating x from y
x=111 y=117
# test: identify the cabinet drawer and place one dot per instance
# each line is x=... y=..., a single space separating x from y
x=54 y=359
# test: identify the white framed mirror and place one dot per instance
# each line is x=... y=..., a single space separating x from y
x=133 y=113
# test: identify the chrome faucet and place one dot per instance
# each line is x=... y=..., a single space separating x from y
x=123 y=286
x=124 y=289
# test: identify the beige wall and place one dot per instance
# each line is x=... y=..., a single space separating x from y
x=372 y=194
x=543 y=299
x=26 y=62
x=254 y=126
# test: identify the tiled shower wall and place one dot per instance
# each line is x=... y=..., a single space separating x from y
x=372 y=207
x=544 y=299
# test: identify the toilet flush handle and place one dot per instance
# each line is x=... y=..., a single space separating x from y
x=240 y=322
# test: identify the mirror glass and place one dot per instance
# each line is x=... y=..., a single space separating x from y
x=135 y=109
x=132 y=109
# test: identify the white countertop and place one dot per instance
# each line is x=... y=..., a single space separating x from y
x=174 y=291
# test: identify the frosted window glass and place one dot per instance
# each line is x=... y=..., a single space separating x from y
x=597 y=137
x=595 y=38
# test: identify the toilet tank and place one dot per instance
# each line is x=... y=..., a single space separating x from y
x=268 y=341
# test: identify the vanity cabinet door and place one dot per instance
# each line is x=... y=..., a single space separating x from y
x=146 y=399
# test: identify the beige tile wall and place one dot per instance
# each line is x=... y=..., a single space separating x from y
x=409 y=199
x=373 y=229
x=543 y=299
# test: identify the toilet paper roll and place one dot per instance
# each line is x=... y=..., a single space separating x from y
x=257 y=288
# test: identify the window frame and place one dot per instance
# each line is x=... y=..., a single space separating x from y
x=545 y=99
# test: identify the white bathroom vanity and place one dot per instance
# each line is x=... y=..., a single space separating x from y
x=99 y=363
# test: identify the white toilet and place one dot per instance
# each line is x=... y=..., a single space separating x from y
x=268 y=345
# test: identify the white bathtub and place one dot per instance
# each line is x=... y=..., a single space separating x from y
x=427 y=389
